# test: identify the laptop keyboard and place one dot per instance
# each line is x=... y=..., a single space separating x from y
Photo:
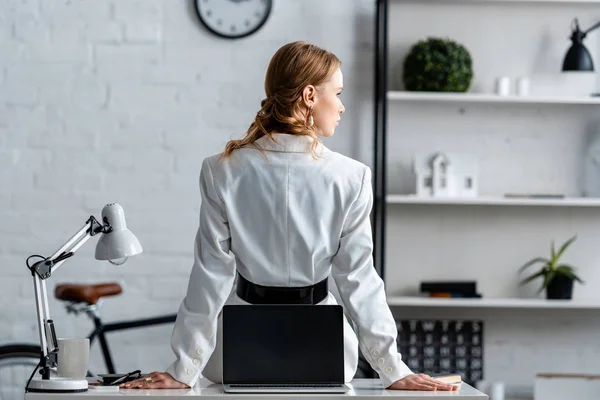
x=291 y=385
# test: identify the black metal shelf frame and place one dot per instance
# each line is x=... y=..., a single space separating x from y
x=379 y=148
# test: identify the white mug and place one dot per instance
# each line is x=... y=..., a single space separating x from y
x=73 y=357
x=522 y=86
x=503 y=86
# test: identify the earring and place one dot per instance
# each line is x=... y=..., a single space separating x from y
x=311 y=120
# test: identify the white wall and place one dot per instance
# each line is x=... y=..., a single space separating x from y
x=522 y=148
x=119 y=101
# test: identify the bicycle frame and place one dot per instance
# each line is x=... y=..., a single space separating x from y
x=102 y=328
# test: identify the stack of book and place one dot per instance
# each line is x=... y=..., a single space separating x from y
x=467 y=289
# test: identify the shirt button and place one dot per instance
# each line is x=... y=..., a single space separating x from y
x=199 y=352
x=190 y=371
x=195 y=361
x=375 y=353
x=388 y=369
x=380 y=361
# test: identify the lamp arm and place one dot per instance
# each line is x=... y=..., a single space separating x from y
x=91 y=228
x=48 y=265
x=41 y=271
x=591 y=28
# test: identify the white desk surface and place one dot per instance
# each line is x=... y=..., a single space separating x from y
x=361 y=389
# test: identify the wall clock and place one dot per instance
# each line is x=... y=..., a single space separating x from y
x=233 y=19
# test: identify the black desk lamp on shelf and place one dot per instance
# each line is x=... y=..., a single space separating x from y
x=578 y=57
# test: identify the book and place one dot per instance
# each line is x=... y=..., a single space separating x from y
x=449 y=379
x=453 y=295
x=465 y=288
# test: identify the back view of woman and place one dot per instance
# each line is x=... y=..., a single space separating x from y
x=280 y=214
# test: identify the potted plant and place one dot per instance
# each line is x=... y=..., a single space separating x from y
x=557 y=277
x=437 y=65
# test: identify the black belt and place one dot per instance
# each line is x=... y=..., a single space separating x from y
x=257 y=294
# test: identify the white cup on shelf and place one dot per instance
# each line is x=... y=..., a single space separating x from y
x=503 y=86
x=522 y=86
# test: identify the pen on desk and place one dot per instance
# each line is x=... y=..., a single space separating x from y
x=126 y=376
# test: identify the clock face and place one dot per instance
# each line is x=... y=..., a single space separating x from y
x=233 y=18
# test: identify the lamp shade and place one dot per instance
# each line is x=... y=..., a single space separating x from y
x=119 y=243
x=578 y=58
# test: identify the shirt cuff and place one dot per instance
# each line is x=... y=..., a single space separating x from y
x=177 y=371
x=391 y=374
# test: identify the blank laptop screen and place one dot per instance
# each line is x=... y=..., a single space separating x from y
x=283 y=344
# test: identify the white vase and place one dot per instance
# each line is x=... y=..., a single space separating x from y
x=591 y=166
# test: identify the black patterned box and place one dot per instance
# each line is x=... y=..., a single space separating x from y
x=439 y=347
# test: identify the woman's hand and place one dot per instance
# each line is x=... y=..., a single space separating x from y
x=155 y=380
x=420 y=382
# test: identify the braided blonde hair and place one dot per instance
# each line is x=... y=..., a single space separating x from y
x=293 y=67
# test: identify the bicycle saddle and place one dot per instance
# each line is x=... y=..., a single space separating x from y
x=86 y=293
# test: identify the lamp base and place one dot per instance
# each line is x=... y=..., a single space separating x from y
x=58 y=385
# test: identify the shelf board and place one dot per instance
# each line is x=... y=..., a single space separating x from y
x=487 y=98
x=508 y=1
x=494 y=201
x=415 y=301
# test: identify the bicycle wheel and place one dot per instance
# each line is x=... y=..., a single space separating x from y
x=17 y=362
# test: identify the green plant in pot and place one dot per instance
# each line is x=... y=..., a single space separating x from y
x=557 y=277
x=437 y=65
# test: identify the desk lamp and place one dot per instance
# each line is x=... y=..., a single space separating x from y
x=116 y=244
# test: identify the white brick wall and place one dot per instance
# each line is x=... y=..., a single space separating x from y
x=119 y=100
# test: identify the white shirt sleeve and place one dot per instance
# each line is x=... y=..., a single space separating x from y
x=362 y=290
x=211 y=280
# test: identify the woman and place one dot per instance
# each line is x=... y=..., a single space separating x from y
x=281 y=210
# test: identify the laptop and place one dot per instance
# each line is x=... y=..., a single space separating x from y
x=283 y=349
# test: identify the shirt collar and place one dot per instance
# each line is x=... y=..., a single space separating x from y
x=288 y=143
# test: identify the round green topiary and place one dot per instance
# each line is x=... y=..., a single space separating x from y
x=437 y=65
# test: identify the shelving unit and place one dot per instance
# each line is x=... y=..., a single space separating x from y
x=487 y=98
x=536 y=144
x=513 y=1
x=494 y=201
x=394 y=98
x=514 y=303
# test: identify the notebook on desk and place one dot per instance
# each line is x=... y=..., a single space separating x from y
x=283 y=349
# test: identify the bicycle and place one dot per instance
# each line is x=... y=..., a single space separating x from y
x=18 y=360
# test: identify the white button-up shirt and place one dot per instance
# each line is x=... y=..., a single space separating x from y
x=289 y=221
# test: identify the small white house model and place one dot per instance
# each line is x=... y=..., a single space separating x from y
x=446 y=175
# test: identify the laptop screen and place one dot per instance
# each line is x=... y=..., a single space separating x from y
x=283 y=344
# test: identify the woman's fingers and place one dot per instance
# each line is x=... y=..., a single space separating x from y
x=437 y=384
x=421 y=386
x=443 y=386
x=148 y=381
x=155 y=380
x=424 y=382
x=420 y=382
x=130 y=383
x=440 y=385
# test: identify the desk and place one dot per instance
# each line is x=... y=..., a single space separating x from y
x=361 y=389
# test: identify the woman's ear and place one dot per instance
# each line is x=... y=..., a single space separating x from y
x=308 y=95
